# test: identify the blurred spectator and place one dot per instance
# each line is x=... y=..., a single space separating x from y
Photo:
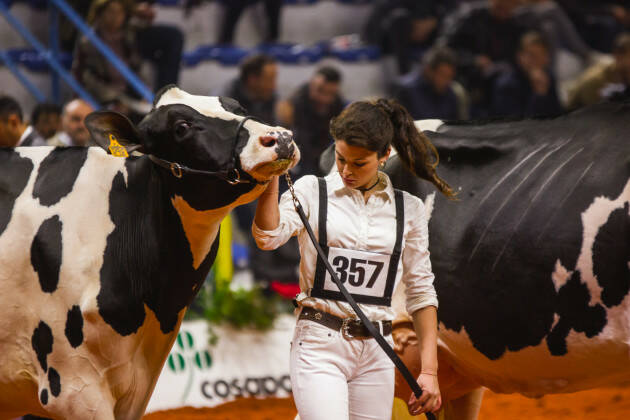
x=73 y=130
x=233 y=11
x=46 y=119
x=599 y=22
x=429 y=93
x=529 y=89
x=485 y=36
x=604 y=81
x=552 y=21
x=255 y=88
x=308 y=112
x=403 y=28
x=14 y=131
x=110 y=19
x=158 y=43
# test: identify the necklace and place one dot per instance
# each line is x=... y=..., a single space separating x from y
x=369 y=188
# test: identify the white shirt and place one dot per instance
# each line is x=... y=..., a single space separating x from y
x=354 y=224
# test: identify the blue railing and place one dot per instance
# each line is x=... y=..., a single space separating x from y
x=52 y=55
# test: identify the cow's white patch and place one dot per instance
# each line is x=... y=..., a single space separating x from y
x=429 y=125
x=593 y=218
x=201 y=227
x=560 y=276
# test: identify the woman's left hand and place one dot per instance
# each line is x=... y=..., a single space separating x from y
x=430 y=400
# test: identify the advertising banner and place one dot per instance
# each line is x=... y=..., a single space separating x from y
x=243 y=363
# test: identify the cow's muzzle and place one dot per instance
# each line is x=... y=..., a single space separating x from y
x=282 y=141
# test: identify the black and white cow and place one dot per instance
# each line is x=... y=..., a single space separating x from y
x=532 y=263
x=100 y=255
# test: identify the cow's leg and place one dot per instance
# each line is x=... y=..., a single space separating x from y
x=465 y=407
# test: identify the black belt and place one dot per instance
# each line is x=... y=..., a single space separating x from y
x=349 y=327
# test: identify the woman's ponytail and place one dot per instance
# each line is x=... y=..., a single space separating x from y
x=414 y=148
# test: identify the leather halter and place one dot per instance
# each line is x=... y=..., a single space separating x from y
x=231 y=176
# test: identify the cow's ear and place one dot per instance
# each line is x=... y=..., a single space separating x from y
x=114 y=133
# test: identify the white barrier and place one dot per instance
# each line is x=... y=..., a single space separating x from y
x=243 y=363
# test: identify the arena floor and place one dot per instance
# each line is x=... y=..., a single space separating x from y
x=601 y=404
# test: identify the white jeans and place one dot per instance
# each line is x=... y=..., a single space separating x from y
x=338 y=379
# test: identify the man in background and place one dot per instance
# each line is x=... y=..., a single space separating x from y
x=430 y=92
x=46 y=119
x=308 y=112
x=255 y=88
x=73 y=130
x=14 y=132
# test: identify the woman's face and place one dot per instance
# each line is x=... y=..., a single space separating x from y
x=113 y=16
x=357 y=165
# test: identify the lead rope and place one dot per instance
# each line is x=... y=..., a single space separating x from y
x=366 y=322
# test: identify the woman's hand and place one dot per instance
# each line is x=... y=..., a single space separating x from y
x=430 y=400
x=267 y=216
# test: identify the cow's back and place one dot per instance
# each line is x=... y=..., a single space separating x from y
x=531 y=263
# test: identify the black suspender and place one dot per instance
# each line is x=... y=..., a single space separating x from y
x=320 y=269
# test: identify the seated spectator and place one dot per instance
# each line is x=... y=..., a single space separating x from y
x=485 y=37
x=110 y=19
x=158 y=43
x=604 y=81
x=308 y=112
x=73 y=130
x=598 y=22
x=233 y=11
x=529 y=89
x=403 y=28
x=429 y=93
x=552 y=21
x=255 y=87
x=45 y=119
x=14 y=132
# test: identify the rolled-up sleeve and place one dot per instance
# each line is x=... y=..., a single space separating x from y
x=417 y=274
x=290 y=223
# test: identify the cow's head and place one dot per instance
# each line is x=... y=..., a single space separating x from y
x=203 y=133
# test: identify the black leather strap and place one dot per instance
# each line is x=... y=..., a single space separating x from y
x=349 y=327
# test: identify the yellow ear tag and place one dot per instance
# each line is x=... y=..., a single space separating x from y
x=115 y=148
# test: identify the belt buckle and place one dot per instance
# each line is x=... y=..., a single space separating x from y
x=345 y=328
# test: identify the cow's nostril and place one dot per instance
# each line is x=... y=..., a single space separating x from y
x=267 y=141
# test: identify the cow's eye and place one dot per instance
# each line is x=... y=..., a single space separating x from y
x=181 y=128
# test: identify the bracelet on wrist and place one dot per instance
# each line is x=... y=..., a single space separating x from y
x=428 y=373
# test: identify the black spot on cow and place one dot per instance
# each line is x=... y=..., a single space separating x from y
x=531 y=182
x=57 y=174
x=43 y=396
x=285 y=148
x=120 y=298
x=74 y=326
x=14 y=175
x=54 y=381
x=574 y=313
x=611 y=255
x=46 y=253
x=147 y=259
x=42 y=343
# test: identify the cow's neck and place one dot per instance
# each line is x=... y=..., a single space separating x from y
x=202 y=226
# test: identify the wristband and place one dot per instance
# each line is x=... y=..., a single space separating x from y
x=428 y=373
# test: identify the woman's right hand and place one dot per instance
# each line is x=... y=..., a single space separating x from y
x=430 y=400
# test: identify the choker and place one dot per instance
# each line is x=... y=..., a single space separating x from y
x=369 y=188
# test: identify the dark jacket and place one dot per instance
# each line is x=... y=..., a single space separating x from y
x=264 y=110
x=417 y=95
x=311 y=129
x=513 y=96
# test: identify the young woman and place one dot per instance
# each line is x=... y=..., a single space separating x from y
x=375 y=236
